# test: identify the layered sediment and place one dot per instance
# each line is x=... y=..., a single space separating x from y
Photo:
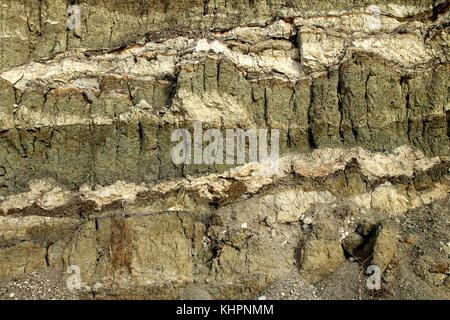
x=359 y=93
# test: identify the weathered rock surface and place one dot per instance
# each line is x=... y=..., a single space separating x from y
x=384 y=247
x=359 y=92
x=321 y=258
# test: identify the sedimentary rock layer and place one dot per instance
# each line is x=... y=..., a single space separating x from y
x=359 y=94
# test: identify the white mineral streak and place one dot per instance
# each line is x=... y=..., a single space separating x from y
x=391 y=200
x=25 y=118
x=392 y=47
x=120 y=190
x=44 y=193
x=291 y=205
x=254 y=35
x=324 y=40
x=280 y=61
x=204 y=109
x=402 y=161
x=388 y=198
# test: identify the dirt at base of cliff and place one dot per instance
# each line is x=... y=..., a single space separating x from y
x=48 y=284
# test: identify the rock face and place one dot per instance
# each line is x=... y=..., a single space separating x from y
x=92 y=91
x=384 y=247
x=320 y=258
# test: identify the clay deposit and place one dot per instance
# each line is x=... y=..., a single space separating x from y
x=358 y=91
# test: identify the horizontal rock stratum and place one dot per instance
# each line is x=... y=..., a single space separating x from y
x=359 y=92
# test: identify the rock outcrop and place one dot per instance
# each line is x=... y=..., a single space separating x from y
x=358 y=91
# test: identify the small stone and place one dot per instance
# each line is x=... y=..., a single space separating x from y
x=385 y=247
x=389 y=278
x=439 y=268
x=352 y=242
x=11 y=295
x=365 y=227
x=447 y=282
x=410 y=239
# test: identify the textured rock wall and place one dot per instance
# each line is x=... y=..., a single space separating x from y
x=359 y=93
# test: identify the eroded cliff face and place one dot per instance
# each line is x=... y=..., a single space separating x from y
x=358 y=91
